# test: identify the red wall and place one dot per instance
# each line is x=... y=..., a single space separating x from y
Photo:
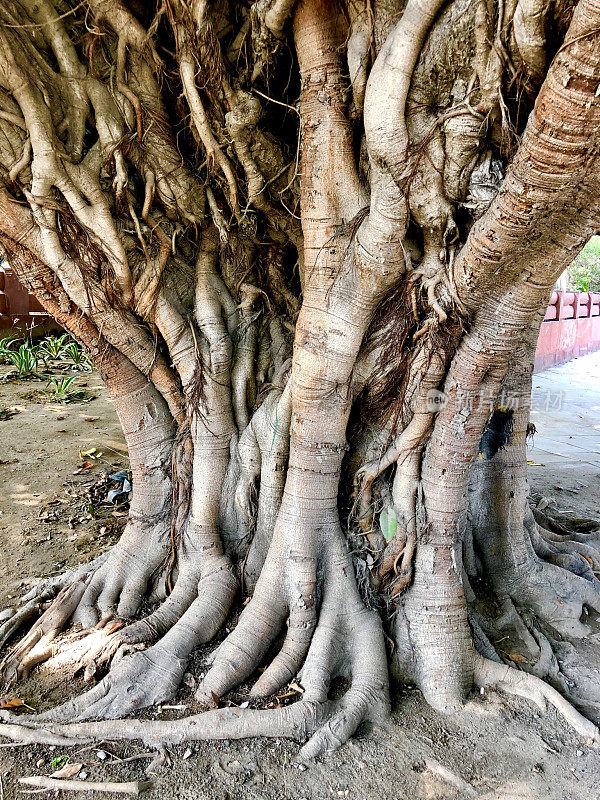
x=18 y=308
x=570 y=328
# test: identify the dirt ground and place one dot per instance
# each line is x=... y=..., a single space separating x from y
x=498 y=748
x=41 y=501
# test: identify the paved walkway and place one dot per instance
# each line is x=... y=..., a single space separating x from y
x=565 y=454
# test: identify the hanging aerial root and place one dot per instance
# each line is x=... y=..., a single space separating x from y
x=491 y=673
x=200 y=119
x=267 y=21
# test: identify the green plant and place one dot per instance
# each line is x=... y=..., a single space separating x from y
x=76 y=356
x=584 y=272
x=6 y=344
x=52 y=346
x=25 y=359
x=60 y=389
x=60 y=761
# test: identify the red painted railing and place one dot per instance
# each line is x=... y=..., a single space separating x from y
x=570 y=328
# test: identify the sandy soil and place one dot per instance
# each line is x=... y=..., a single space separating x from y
x=39 y=451
x=498 y=748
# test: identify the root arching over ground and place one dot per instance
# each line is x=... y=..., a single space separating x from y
x=308 y=245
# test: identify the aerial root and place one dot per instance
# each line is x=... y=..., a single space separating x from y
x=491 y=673
x=402 y=566
x=123 y=87
x=442 y=279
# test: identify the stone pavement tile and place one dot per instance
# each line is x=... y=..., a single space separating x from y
x=568 y=449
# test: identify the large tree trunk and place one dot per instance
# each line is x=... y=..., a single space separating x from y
x=312 y=332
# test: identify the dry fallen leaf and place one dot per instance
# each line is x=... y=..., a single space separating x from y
x=84 y=466
x=11 y=703
x=68 y=771
x=517 y=657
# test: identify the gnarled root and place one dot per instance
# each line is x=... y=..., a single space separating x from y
x=327 y=724
x=136 y=681
x=118 y=577
x=555 y=592
x=35 y=600
x=120 y=584
x=297 y=722
x=347 y=641
x=205 y=577
x=491 y=673
x=141 y=679
x=205 y=581
x=36 y=646
x=337 y=637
